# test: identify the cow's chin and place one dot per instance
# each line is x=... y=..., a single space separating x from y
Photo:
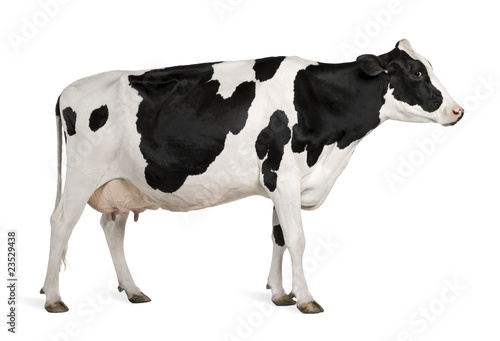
x=447 y=119
x=445 y=122
x=451 y=123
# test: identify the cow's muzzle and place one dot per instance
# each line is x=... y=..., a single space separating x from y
x=458 y=113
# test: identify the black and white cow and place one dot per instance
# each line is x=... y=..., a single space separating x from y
x=188 y=137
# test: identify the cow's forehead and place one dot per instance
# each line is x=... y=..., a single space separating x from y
x=404 y=45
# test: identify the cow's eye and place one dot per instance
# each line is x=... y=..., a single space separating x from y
x=418 y=74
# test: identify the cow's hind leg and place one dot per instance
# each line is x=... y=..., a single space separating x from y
x=64 y=218
x=275 y=278
x=60 y=232
x=115 y=233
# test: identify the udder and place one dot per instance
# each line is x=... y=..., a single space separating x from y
x=119 y=196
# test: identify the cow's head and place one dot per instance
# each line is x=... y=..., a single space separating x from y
x=415 y=94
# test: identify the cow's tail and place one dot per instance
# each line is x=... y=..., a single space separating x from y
x=59 y=168
x=59 y=153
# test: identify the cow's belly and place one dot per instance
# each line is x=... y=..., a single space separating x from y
x=120 y=196
x=227 y=179
x=200 y=196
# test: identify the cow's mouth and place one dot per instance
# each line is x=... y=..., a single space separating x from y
x=453 y=123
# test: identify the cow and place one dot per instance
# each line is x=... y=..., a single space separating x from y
x=188 y=137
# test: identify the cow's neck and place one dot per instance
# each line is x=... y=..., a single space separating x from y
x=337 y=107
x=335 y=103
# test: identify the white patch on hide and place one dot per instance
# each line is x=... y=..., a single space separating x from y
x=232 y=74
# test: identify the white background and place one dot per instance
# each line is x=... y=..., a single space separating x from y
x=391 y=251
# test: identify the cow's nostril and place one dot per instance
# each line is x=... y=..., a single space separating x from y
x=458 y=111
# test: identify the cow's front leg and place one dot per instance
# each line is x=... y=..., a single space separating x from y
x=115 y=234
x=288 y=210
x=275 y=278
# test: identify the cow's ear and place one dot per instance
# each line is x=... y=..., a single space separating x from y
x=371 y=65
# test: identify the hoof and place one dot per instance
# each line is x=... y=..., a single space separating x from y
x=139 y=298
x=56 y=307
x=310 y=307
x=285 y=300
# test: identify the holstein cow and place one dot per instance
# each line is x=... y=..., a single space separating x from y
x=188 y=137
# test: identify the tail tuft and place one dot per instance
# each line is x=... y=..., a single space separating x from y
x=63 y=258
